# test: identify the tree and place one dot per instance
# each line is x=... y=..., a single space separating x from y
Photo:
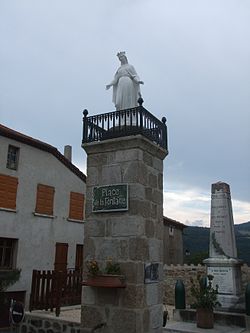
x=196 y=258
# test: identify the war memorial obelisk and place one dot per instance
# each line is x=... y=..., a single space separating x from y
x=222 y=262
x=124 y=212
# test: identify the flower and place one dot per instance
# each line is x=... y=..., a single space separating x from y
x=112 y=268
x=93 y=268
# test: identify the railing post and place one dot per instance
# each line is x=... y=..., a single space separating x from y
x=33 y=290
x=140 y=102
x=85 y=126
x=164 y=134
x=48 y=290
x=59 y=285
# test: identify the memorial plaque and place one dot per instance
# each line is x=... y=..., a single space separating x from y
x=223 y=278
x=110 y=198
x=151 y=273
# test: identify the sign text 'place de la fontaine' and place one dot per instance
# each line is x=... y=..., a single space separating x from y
x=110 y=198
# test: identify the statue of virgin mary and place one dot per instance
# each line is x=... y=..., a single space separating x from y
x=126 y=85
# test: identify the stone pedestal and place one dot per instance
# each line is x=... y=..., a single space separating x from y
x=222 y=262
x=227 y=275
x=133 y=236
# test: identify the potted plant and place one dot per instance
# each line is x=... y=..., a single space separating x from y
x=205 y=297
x=110 y=278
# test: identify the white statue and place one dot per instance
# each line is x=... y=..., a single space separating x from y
x=126 y=85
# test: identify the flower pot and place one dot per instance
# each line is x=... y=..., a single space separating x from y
x=205 y=318
x=105 y=281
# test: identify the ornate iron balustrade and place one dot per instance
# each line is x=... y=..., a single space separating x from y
x=125 y=123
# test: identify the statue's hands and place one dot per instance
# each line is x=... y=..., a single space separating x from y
x=140 y=82
x=108 y=86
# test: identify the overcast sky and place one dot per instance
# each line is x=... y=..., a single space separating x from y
x=56 y=57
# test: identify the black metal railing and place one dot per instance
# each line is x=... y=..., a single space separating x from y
x=124 y=123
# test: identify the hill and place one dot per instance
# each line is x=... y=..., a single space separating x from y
x=196 y=240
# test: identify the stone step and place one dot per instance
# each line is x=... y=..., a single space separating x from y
x=185 y=327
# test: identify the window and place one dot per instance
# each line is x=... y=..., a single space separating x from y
x=12 y=158
x=45 y=199
x=76 y=206
x=7 y=251
x=171 y=230
x=8 y=192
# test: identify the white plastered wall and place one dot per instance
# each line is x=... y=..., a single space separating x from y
x=37 y=235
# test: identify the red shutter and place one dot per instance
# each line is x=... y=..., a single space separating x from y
x=76 y=206
x=79 y=257
x=61 y=256
x=8 y=191
x=45 y=199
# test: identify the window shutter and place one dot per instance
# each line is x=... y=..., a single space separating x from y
x=76 y=206
x=8 y=191
x=45 y=199
x=79 y=257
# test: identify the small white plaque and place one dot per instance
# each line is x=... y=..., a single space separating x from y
x=223 y=278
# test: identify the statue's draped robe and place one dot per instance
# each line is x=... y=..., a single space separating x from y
x=126 y=89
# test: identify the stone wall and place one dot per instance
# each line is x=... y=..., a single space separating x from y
x=172 y=245
x=37 y=324
x=173 y=273
x=245 y=271
x=185 y=272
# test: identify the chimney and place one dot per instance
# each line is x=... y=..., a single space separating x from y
x=68 y=152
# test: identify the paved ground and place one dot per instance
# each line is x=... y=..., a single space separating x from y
x=70 y=313
x=73 y=313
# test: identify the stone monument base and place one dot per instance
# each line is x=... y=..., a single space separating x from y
x=227 y=275
x=221 y=318
x=231 y=303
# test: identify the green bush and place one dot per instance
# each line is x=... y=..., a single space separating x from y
x=8 y=278
x=204 y=294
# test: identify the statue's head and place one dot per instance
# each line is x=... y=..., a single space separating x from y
x=122 y=57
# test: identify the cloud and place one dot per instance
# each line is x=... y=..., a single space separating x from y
x=192 y=207
x=241 y=211
x=192 y=55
